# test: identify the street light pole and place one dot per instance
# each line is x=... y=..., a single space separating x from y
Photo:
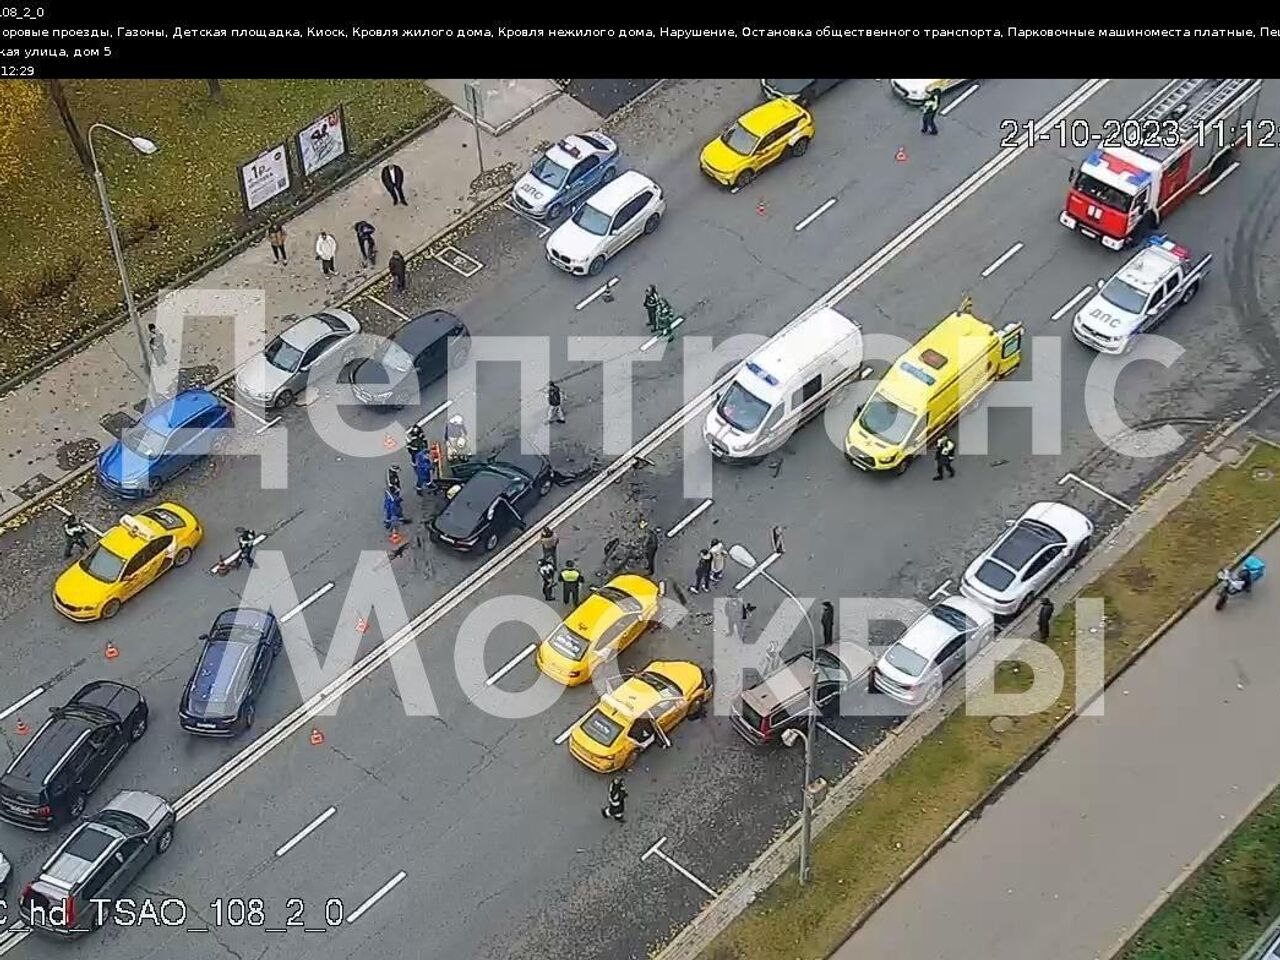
x=143 y=146
x=743 y=556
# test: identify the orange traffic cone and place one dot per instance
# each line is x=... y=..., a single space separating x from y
x=395 y=538
x=761 y=209
x=23 y=729
x=901 y=155
x=389 y=441
x=362 y=625
x=111 y=652
x=317 y=737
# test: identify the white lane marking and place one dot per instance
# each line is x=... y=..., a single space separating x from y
x=691 y=516
x=1219 y=178
x=656 y=850
x=15 y=707
x=865 y=372
x=1062 y=310
x=306 y=831
x=511 y=664
x=815 y=215
x=240 y=406
x=285 y=618
x=87 y=525
x=931 y=217
x=382 y=892
x=960 y=99
x=459 y=262
x=942 y=588
x=227 y=559
x=569 y=731
x=1001 y=260
x=764 y=565
x=436 y=412
x=267 y=426
x=297 y=719
x=1098 y=490
x=839 y=739
x=13 y=936
x=599 y=292
x=652 y=340
x=543 y=229
x=388 y=307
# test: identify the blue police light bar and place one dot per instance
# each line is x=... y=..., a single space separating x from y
x=763 y=374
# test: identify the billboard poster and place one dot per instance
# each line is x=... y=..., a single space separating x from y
x=322 y=141
x=265 y=176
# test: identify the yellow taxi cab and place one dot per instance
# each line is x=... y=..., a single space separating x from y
x=128 y=557
x=758 y=138
x=601 y=627
x=929 y=387
x=644 y=709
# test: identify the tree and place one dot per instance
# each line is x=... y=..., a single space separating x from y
x=59 y=97
x=215 y=89
x=19 y=101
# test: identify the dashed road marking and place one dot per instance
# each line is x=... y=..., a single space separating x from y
x=815 y=215
x=436 y=412
x=1001 y=259
x=943 y=588
x=286 y=617
x=657 y=851
x=15 y=707
x=1098 y=490
x=1219 y=178
x=460 y=263
x=382 y=892
x=841 y=740
x=227 y=559
x=960 y=99
x=599 y=292
x=1062 y=310
x=691 y=516
x=266 y=424
x=388 y=307
x=306 y=831
x=764 y=565
x=511 y=664
x=88 y=526
x=652 y=340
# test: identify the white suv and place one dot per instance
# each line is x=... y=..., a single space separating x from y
x=605 y=223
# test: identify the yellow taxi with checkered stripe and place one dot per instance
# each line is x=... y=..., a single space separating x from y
x=600 y=628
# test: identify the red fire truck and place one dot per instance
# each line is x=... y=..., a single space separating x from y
x=1148 y=164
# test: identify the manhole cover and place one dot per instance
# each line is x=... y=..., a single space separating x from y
x=1228 y=454
x=1262 y=473
x=1001 y=724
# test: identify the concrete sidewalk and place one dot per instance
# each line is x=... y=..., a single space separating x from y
x=1064 y=863
x=58 y=421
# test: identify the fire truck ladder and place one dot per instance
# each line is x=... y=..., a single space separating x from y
x=1202 y=112
x=1175 y=98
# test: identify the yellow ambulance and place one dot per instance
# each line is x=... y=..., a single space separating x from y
x=928 y=387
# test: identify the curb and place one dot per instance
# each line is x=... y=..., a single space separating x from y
x=506 y=125
x=222 y=256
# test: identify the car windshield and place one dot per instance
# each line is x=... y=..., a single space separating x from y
x=394 y=358
x=1104 y=193
x=883 y=418
x=1124 y=297
x=101 y=564
x=740 y=140
x=220 y=676
x=143 y=441
x=995 y=575
x=549 y=172
x=282 y=355
x=742 y=409
x=568 y=643
x=601 y=728
x=905 y=660
x=592 y=220
x=829 y=666
x=660 y=683
x=953 y=618
x=621 y=599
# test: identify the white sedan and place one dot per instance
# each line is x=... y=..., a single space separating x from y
x=1027 y=557
x=917 y=91
x=607 y=221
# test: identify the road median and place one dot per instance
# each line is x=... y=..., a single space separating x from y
x=919 y=787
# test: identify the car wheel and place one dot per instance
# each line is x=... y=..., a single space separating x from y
x=181 y=557
x=250 y=712
x=651 y=224
x=901 y=468
x=545 y=486
x=596 y=266
x=1082 y=550
x=554 y=211
x=138 y=729
x=77 y=806
x=1191 y=292
x=745 y=178
x=461 y=349
x=110 y=608
x=490 y=542
x=165 y=841
x=609 y=174
x=931 y=695
x=284 y=399
x=699 y=710
x=800 y=147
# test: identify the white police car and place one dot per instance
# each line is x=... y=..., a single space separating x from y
x=568 y=170
x=1140 y=295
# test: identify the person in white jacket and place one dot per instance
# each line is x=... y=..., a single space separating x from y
x=326 y=250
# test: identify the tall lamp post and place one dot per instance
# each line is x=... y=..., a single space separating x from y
x=145 y=146
x=742 y=556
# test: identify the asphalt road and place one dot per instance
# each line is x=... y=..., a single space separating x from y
x=494 y=826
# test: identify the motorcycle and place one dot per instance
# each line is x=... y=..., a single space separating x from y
x=1240 y=581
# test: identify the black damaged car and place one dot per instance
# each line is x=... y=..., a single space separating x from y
x=495 y=497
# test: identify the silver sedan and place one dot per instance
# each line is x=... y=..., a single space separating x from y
x=276 y=376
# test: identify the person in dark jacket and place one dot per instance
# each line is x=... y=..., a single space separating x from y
x=548 y=541
x=650 y=546
x=945 y=455
x=1044 y=617
x=415 y=441
x=364 y=238
x=702 y=573
x=554 y=412
x=547 y=571
x=393 y=180
x=248 y=543
x=929 y=110
x=393 y=478
x=828 y=622
x=651 y=301
x=73 y=535
x=399 y=271
x=616 y=808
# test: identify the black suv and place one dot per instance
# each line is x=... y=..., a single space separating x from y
x=49 y=781
x=221 y=698
x=495 y=497
x=424 y=349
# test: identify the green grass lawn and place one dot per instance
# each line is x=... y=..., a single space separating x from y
x=175 y=208
x=898 y=817
x=1225 y=905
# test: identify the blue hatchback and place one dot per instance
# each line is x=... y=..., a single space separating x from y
x=167 y=440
